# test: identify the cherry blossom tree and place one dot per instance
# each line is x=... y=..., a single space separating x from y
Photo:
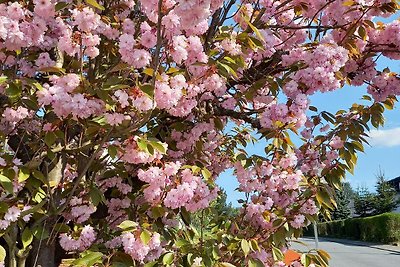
x=117 y=117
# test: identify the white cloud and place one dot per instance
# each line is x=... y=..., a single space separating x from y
x=385 y=138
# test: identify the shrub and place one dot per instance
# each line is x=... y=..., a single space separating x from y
x=383 y=228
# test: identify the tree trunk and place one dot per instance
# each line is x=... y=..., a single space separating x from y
x=22 y=262
x=43 y=254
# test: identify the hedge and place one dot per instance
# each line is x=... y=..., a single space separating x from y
x=383 y=228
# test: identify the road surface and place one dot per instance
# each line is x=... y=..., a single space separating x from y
x=345 y=253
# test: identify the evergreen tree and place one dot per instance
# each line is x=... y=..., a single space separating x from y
x=364 y=202
x=343 y=197
x=214 y=214
x=385 y=199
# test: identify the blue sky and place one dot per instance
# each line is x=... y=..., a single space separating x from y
x=384 y=149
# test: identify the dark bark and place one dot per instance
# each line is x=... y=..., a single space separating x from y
x=48 y=252
x=45 y=254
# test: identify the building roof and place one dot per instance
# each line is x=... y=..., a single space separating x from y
x=395 y=183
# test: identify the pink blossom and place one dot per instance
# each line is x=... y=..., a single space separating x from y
x=12 y=214
x=298 y=221
x=114 y=118
x=336 y=142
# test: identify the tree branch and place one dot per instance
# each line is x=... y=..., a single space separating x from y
x=245 y=116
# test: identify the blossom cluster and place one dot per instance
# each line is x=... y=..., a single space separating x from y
x=12 y=215
x=84 y=241
x=135 y=155
x=278 y=185
x=139 y=250
x=64 y=102
x=80 y=210
x=183 y=188
x=276 y=115
x=319 y=73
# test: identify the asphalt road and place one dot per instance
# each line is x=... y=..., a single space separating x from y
x=345 y=253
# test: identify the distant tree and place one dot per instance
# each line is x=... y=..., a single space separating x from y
x=222 y=207
x=343 y=197
x=364 y=202
x=385 y=199
x=211 y=216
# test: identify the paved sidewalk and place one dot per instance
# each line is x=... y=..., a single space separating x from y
x=349 y=253
x=362 y=243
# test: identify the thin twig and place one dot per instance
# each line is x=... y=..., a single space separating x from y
x=82 y=174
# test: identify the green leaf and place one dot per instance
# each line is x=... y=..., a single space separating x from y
x=148 y=89
x=161 y=147
x=218 y=124
x=96 y=196
x=277 y=254
x=181 y=243
x=62 y=228
x=112 y=151
x=3 y=207
x=14 y=90
x=325 y=199
x=172 y=70
x=348 y=3
x=157 y=212
x=255 y=263
x=142 y=144
x=128 y=225
x=206 y=173
x=150 y=149
x=23 y=174
x=150 y=264
x=279 y=236
x=305 y=259
x=50 y=138
x=3 y=79
x=195 y=169
x=245 y=247
x=228 y=69
x=40 y=233
x=186 y=216
x=362 y=33
x=27 y=237
x=33 y=209
x=148 y=72
x=31 y=104
x=6 y=183
x=254 y=29
x=324 y=255
x=89 y=259
x=94 y=3
x=227 y=264
x=38 y=175
x=168 y=258
x=115 y=87
x=254 y=245
x=61 y=5
x=145 y=237
x=2 y=254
